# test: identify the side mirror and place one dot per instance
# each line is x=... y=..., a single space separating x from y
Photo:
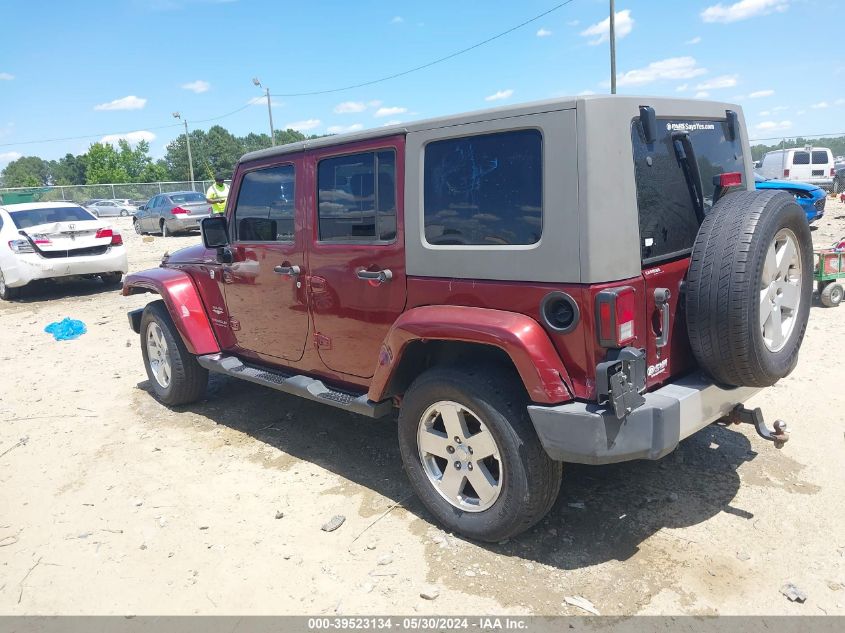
x=142 y=207
x=215 y=232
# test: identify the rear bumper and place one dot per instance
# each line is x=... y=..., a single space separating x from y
x=584 y=433
x=188 y=223
x=31 y=266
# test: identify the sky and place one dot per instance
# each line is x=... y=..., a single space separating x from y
x=106 y=69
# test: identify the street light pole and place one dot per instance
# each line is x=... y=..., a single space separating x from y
x=269 y=109
x=612 y=47
x=177 y=115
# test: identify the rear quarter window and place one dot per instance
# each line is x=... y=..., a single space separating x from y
x=801 y=158
x=820 y=158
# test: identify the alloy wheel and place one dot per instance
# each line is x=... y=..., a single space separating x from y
x=460 y=456
x=780 y=290
x=158 y=356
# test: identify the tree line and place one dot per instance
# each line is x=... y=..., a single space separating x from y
x=836 y=145
x=216 y=150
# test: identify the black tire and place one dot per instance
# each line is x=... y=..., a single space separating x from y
x=188 y=380
x=836 y=187
x=137 y=226
x=831 y=295
x=7 y=293
x=530 y=479
x=724 y=282
x=111 y=279
x=123 y=213
x=165 y=232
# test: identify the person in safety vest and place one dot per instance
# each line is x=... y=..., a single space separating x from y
x=217 y=194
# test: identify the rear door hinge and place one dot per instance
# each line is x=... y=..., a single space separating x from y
x=321 y=341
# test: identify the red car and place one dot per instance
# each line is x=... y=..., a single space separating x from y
x=584 y=280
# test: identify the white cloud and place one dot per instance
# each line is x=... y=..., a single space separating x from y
x=543 y=32
x=498 y=96
x=839 y=102
x=601 y=30
x=303 y=126
x=766 y=113
x=682 y=88
x=724 y=81
x=397 y=19
x=131 y=137
x=701 y=94
x=6 y=77
x=350 y=106
x=125 y=103
x=773 y=126
x=573 y=23
x=374 y=103
x=780 y=108
x=695 y=40
x=262 y=101
x=800 y=112
x=821 y=105
x=673 y=68
x=390 y=111
x=759 y=94
x=586 y=93
x=742 y=10
x=199 y=86
x=341 y=129
x=392 y=122
x=8 y=157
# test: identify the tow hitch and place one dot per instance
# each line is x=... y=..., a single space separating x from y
x=779 y=435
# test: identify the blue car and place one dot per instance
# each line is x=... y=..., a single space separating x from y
x=809 y=197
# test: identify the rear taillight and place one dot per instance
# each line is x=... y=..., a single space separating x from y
x=101 y=233
x=615 y=312
x=786 y=173
x=21 y=246
x=832 y=172
x=729 y=179
x=117 y=239
x=179 y=211
x=42 y=241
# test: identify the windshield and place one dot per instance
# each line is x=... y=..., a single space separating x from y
x=187 y=197
x=49 y=215
x=669 y=218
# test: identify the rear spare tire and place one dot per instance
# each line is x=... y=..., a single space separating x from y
x=749 y=288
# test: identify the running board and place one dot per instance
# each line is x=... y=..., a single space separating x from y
x=302 y=386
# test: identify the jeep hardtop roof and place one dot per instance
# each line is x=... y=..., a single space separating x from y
x=678 y=108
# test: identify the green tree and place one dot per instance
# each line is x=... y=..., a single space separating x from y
x=105 y=165
x=69 y=170
x=27 y=171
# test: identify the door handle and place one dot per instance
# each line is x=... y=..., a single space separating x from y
x=290 y=271
x=661 y=302
x=380 y=276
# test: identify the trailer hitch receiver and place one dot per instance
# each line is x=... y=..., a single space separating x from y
x=779 y=435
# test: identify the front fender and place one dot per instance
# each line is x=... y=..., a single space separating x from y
x=183 y=302
x=520 y=337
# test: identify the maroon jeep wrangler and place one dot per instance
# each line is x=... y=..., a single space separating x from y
x=585 y=280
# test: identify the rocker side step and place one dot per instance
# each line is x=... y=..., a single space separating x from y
x=302 y=386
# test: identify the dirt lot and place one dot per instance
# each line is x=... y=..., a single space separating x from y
x=116 y=504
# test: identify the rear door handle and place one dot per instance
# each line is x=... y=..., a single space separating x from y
x=381 y=276
x=290 y=271
x=661 y=302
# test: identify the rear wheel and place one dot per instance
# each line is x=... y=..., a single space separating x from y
x=831 y=295
x=175 y=375
x=111 y=279
x=123 y=213
x=165 y=232
x=471 y=452
x=7 y=293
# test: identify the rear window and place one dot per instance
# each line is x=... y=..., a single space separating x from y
x=801 y=158
x=667 y=208
x=179 y=198
x=34 y=217
x=820 y=158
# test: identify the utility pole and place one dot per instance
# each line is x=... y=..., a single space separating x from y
x=177 y=115
x=612 y=47
x=269 y=109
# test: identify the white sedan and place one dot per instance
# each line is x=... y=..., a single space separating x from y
x=45 y=240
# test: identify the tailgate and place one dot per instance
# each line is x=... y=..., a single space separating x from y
x=66 y=236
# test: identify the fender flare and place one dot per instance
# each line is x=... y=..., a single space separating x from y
x=523 y=339
x=183 y=302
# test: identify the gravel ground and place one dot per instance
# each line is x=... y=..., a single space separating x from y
x=113 y=504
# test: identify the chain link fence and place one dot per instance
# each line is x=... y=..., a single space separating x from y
x=138 y=191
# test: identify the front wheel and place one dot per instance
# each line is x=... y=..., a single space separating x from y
x=831 y=295
x=111 y=279
x=175 y=375
x=137 y=226
x=471 y=452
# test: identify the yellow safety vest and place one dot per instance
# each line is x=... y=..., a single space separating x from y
x=214 y=192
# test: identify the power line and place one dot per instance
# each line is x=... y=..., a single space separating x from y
x=786 y=136
x=84 y=136
x=428 y=64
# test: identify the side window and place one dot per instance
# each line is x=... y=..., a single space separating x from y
x=357 y=197
x=801 y=158
x=820 y=158
x=484 y=190
x=266 y=205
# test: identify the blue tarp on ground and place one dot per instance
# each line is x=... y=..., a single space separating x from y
x=66 y=329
